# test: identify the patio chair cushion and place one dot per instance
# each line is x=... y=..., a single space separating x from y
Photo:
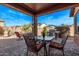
x=32 y=44
x=55 y=45
x=39 y=46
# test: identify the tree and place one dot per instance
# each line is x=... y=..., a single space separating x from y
x=26 y=27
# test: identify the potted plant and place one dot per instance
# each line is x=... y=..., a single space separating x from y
x=26 y=28
x=44 y=32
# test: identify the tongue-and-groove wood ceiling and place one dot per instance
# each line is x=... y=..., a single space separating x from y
x=39 y=8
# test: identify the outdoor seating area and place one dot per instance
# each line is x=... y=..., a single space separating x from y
x=41 y=29
x=32 y=46
x=12 y=47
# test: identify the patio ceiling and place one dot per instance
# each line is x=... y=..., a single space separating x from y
x=39 y=8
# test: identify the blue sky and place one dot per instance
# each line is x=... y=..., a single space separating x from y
x=57 y=18
x=12 y=17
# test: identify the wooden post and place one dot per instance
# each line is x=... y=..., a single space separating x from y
x=73 y=13
x=34 y=29
x=75 y=25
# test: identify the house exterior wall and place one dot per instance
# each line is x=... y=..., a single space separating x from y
x=71 y=30
x=40 y=27
x=39 y=31
x=1 y=23
x=50 y=28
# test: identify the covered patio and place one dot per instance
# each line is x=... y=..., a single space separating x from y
x=35 y=10
x=38 y=9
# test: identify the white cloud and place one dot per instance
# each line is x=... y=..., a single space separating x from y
x=61 y=20
x=15 y=12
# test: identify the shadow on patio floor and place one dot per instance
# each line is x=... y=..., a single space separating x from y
x=12 y=47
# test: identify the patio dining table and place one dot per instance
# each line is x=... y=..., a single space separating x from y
x=47 y=38
x=44 y=40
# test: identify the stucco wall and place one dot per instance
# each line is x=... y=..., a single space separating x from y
x=71 y=30
x=76 y=39
x=1 y=23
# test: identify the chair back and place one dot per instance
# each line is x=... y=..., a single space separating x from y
x=17 y=34
x=64 y=39
x=30 y=41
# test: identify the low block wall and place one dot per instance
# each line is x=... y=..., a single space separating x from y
x=76 y=39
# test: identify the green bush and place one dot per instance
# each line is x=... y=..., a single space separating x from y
x=62 y=30
x=26 y=28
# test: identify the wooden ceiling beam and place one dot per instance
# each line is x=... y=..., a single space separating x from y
x=74 y=11
x=19 y=7
x=57 y=7
x=53 y=8
x=26 y=7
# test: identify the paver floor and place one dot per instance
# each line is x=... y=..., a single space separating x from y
x=10 y=46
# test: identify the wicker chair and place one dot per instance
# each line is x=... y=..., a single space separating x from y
x=32 y=46
x=59 y=46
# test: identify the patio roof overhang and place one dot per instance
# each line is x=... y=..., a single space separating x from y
x=40 y=8
x=36 y=9
x=74 y=11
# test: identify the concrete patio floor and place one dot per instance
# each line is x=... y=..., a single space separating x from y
x=11 y=47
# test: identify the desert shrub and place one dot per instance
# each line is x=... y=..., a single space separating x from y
x=1 y=31
x=26 y=28
x=62 y=30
